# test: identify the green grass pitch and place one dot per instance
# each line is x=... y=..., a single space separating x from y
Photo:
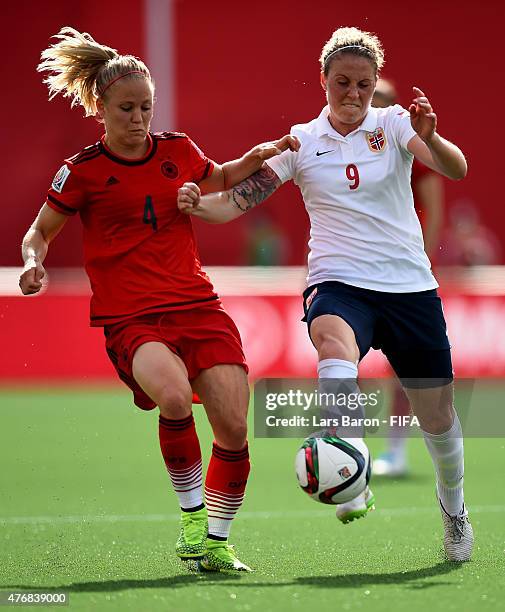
x=86 y=507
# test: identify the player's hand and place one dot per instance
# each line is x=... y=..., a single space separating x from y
x=30 y=280
x=276 y=147
x=422 y=117
x=188 y=198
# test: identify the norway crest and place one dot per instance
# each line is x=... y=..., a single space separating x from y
x=376 y=140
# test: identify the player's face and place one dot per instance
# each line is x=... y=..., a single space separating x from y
x=127 y=112
x=349 y=87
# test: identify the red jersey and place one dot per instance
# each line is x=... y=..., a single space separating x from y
x=139 y=250
x=419 y=171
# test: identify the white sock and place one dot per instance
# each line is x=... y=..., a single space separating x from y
x=330 y=372
x=337 y=368
x=446 y=450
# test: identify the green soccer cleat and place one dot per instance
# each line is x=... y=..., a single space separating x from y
x=192 y=539
x=221 y=557
x=357 y=508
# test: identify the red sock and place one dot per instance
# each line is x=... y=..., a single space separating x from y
x=225 y=487
x=181 y=451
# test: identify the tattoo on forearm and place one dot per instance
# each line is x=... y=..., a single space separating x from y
x=255 y=189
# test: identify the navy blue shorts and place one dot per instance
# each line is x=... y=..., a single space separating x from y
x=409 y=328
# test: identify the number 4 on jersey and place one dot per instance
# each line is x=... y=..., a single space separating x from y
x=149 y=214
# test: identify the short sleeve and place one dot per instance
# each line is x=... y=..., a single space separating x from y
x=65 y=194
x=199 y=164
x=284 y=165
x=401 y=126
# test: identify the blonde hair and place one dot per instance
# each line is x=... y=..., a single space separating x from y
x=83 y=69
x=356 y=42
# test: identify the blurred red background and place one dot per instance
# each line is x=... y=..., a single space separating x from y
x=244 y=73
x=239 y=74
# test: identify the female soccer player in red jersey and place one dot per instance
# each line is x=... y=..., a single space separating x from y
x=166 y=331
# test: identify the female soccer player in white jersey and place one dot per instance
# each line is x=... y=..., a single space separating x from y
x=369 y=280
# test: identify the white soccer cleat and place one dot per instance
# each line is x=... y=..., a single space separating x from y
x=458 y=536
x=389 y=465
x=357 y=508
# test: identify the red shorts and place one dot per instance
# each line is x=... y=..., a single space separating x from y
x=202 y=337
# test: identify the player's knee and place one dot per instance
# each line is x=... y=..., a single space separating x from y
x=237 y=431
x=174 y=402
x=232 y=434
x=438 y=420
x=330 y=346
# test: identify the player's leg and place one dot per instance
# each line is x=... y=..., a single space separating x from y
x=424 y=366
x=224 y=392
x=338 y=353
x=341 y=326
x=393 y=462
x=340 y=330
x=163 y=377
x=444 y=440
x=443 y=437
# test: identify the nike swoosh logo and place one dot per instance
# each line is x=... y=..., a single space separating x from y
x=318 y=153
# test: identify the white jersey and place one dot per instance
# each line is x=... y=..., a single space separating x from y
x=356 y=188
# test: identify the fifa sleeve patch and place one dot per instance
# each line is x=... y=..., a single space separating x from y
x=60 y=178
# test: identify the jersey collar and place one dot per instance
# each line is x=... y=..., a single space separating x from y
x=125 y=160
x=324 y=128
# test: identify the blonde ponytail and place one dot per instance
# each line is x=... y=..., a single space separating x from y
x=81 y=68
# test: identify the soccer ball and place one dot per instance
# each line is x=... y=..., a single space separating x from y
x=333 y=470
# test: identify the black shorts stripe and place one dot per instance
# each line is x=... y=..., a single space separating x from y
x=68 y=209
x=124 y=377
x=171 y=306
x=112 y=356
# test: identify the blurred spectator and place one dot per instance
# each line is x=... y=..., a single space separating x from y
x=428 y=190
x=427 y=186
x=266 y=244
x=466 y=241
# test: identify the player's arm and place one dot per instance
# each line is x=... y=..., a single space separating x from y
x=45 y=228
x=430 y=192
x=428 y=146
x=228 y=205
x=233 y=172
